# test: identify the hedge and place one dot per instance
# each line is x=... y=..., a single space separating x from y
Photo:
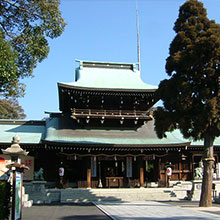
x=5 y=193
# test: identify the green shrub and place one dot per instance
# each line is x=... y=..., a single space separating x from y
x=5 y=193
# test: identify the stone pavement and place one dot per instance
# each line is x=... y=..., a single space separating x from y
x=151 y=210
x=76 y=211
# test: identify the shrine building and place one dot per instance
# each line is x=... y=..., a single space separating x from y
x=103 y=135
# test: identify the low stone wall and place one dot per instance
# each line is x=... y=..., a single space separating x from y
x=192 y=190
x=39 y=194
x=36 y=191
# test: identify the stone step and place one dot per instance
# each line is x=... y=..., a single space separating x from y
x=40 y=195
x=115 y=195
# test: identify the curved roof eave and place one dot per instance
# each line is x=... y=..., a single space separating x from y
x=73 y=86
x=103 y=145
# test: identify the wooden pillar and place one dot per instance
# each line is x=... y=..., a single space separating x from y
x=88 y=177
x=141 y=176
x=141 y=167
x=160 y=169
x=89 y=173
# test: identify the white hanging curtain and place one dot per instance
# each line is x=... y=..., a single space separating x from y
x=93 y=166
x=129 y=167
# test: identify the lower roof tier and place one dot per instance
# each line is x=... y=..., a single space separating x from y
x=66 y=130
x=63 y=130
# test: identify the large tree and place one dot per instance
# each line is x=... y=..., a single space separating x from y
x=191 y=95
x=10 y=109
x=25 y=26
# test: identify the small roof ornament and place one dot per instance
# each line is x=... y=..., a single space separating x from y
x=15 y=148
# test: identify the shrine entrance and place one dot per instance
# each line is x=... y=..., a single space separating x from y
x=151 y=171
x=112 y=172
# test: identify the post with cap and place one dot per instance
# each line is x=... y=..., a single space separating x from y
x=16 y=169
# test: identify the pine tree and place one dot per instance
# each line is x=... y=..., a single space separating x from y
x=191 y=95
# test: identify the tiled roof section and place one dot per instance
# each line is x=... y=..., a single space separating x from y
x=31 y=132
x=61 y=129
x=108 y=76
x=66 y=130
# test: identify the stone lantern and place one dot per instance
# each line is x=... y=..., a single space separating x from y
x=15 y=151
x=16 y=169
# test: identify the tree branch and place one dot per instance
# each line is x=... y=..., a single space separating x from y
x=7 y=33
x=12 y=4
x=22 y=9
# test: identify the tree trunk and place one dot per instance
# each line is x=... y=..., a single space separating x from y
x=208 y=162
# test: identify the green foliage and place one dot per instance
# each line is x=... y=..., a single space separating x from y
x=191 y=95
x=9 y=84
x=5 y=192
x=25 y=26
x=10 y=109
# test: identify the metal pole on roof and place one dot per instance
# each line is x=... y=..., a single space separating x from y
x=138 y=39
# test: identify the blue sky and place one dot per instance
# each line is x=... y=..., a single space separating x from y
x=105 y=30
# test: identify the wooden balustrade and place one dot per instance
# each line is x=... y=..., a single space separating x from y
x=96 y=113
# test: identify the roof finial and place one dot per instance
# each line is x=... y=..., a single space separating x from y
x=138 y=39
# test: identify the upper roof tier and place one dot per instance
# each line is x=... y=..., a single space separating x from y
x=92 y=75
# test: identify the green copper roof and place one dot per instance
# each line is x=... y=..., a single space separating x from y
x=103 y=75
x=66 y=130
x=201 y=142
x=30 y=132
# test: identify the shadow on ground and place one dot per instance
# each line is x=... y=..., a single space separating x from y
x=74 y=211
